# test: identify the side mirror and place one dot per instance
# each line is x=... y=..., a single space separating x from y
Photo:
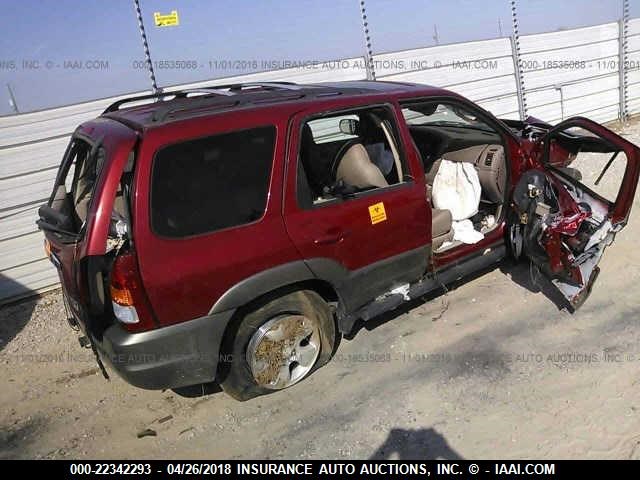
x=349 y=126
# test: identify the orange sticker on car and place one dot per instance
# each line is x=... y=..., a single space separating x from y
x=377 y=213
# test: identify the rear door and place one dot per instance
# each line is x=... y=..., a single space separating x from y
x=369 y=239
x=570 y=208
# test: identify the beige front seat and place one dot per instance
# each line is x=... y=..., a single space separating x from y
x=357 y=169
x=441 y=220
x=441 y=230
x=430 y=176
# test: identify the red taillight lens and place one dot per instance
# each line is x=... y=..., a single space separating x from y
x=128 y=296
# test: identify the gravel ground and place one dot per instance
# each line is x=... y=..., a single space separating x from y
x=492 y=369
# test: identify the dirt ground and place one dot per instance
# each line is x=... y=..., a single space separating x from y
x=492 y=369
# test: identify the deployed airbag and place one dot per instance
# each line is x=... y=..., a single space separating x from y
x=464 y=232
x=456 y=187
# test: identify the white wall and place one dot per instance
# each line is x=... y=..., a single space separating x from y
x=32 y=144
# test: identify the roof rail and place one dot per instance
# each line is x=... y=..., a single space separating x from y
x=205 y=90
x=267 y=85
x=158 y=96
x=163 y=112
x=226 y=90
x=116 y=105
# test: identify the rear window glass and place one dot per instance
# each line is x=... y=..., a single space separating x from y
x=211 y=183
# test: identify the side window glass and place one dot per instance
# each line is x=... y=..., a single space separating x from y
x=342 y=155
x=327 y=130
x=211 y=183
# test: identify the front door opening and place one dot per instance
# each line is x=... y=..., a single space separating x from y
x=465 y=166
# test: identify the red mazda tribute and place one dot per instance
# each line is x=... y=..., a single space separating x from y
x=233 y=233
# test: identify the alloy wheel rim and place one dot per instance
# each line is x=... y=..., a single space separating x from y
x=283 y=351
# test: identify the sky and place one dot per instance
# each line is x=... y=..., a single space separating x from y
x=58 y=52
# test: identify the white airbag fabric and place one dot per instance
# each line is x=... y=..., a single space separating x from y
x=464 y=232
x=456 y=187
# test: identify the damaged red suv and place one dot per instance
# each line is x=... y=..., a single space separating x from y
x=233 y=233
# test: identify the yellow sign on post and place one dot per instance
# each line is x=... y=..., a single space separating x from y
x=168 y=20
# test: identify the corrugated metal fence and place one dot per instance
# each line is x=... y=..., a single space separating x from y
x=565 y=73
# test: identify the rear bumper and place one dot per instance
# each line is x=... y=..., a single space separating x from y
x=169 y=357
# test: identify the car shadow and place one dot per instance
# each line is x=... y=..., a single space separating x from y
x=14 y=315
x=522 y=273
x=419 y=444
x=406 y=307
x=527 y=275
x=200 y=390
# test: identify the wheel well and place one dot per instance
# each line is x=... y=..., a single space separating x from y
x=321 y=287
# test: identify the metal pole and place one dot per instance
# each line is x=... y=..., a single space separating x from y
x=12 y=100
x=436 y=38
x=623 y=60
x=559 y=89
x=145 y=45
x=371 y=73
x=517 y=64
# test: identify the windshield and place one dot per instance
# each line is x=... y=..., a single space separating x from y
x=443 y=115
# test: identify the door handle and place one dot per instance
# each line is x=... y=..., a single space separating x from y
x=330 y=238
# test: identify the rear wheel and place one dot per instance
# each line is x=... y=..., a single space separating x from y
x=278 y=344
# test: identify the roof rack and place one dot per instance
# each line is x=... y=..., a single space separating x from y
x=291 y=90
x=266 y=85
x=164 y=111
x=223 y=90
x=116 y=105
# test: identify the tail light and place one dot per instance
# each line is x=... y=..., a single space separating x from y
x=128 y=299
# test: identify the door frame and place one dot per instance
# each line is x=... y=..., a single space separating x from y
x=511 y=144
x=329 y=269
x=620 y=208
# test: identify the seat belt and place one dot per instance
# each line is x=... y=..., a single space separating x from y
x=394 y=150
